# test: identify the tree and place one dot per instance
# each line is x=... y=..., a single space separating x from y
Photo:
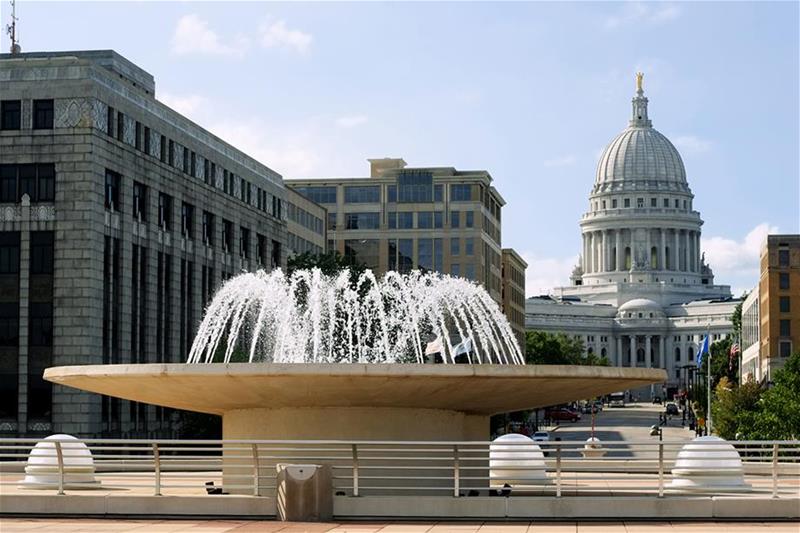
x=543 y=348
x=330 y=263
x=735 y=410
x=779 y=413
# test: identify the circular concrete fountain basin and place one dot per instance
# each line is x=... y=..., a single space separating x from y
x=352 y=401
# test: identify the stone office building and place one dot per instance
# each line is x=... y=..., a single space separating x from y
x=118 y=220
x=433 y=218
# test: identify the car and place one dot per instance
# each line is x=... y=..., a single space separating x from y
x=562 y=413
x=598 y=405
x=541 y=436
x=671 y=409
x=657 y=400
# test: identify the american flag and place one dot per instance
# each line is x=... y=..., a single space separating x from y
x=733 y=353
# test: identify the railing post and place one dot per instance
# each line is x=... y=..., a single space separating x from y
x=256 y=472
x=558 y=470
x=775 y=470
x=456 y=479
x=355 y=470
x=660 y=469
x=60 y=458
x=157 y=466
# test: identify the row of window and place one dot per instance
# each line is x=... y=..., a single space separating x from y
x=410 y=188
x=302 y=217
x=299 y=245
x=674 y=203
x=190 y=163
x=11 y=114
x=35 y=180
x=209 y=221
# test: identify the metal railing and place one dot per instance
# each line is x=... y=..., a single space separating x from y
x=364 y=468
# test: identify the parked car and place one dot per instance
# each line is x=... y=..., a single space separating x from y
x=672 y=409
x=598 y=405
x=562 y=413
x=541 y=436
x=657 y=400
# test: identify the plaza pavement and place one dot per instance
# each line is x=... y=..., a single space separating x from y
x=63 y=525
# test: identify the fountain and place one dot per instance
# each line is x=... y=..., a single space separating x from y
x=313 y=357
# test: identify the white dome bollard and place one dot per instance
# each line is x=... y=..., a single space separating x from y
x=42 y=468
x=708 y=464
x=593 y=448
x=515 y=460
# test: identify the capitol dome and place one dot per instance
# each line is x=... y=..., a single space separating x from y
x=640 y=304
x=640 y=152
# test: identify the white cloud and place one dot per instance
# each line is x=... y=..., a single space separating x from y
x=351 y=121
x=190 y=105
x=545 y=273
x=193 y=36
x=277 y=35
x=642 y=14
x=690 y=144
x=563 y=161
x=289 y=155
x=736 y=263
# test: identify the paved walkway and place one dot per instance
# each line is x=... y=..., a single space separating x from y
x=50 y=525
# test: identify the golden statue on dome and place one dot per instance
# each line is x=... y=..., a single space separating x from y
x=639 y=79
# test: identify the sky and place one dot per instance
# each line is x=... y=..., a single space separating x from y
x=531 y=92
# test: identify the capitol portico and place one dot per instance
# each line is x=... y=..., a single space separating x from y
x=642 y=294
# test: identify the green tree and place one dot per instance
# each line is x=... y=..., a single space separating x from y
x=779 y=413
x=735 y=410
x=330 y=263
x=543 y=348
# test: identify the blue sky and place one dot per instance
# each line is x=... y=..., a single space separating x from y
x=531 y=92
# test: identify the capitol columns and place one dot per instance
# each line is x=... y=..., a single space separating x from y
x=697 y=247
x=677 y=266
x=619 y=350
x=648 y=355
x=663 y=249
x=633 y=350
x=662 y=359
x=605 y=250
x=616 y=251
x=686 y=251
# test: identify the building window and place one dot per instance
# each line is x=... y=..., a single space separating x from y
x=455 y=270
x=469 y=247
x=677 y=203
x=187 y=221
x=438 y=193
x=666 y=202
x=163 y=150
x=653 y=202
x=415 y=186
x=43 y=114
x=455 y=219
x=460 y=192
x=783 y=258
x=391 y=194
x=362 y=251
x=425 y=220
x=362 y=194
x=276 y=254
x=139 y=201
x=785 y=348
x=614 y=203
x=261 y=249
x=691 y=354
x=627 y=202
x=470 y=219
x=332 y=220
x=208 y=228
x=147 y=140
x=677 y=355
x=469 y=271
x=784 y=304
x=171 y=153
x=10 y=114
x=362 y=220
x=227 y=235
x=640 y=202
x=244 y=242
x=164 y=211
x=113 y=181
x=405 y=220
x=391 y=220
x=37 y=181
x=41 y=252
x=120 y=126
x=783 y=280
x=785 y=328
x=138 y=140
x=320 y=195
x=455 y=246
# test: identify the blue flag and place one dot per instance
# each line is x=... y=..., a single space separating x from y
x=703 y=350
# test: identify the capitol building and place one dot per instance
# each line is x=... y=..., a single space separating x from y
x=642 y=295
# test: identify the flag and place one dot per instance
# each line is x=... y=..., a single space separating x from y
x=435 y=346
x=703 y=351
x=464 y=347
x=732 y=355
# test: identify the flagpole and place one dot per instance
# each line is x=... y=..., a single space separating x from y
x=708 y=386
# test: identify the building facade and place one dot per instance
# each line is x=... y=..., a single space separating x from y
x=402 y=218
x=306 y=225
x=642 y=294
x=750 y=344
x=513 y=289
x=779 y=302
x=119 y=218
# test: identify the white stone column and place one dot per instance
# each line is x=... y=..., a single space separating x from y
x=616 y=251
x=632 y=362
x=648 y=356
x=697 y=251
x=604 y=262
x=619 y=350
x=649 y=247
x=589 y=252
x=686 y=251
x=663 y=254
x=676 y=264
x=662 y=359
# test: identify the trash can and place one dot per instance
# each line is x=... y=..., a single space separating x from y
x=305 y=493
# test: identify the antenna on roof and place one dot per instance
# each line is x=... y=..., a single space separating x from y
x=11 y=29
